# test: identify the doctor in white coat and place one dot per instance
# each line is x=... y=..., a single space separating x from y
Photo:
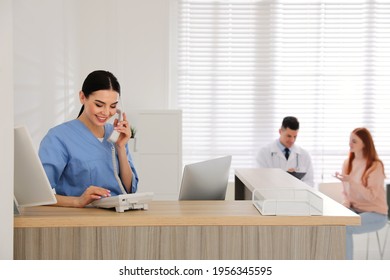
x=284 y=154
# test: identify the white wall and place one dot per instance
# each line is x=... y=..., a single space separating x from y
x=6 y=127
x=46 y=62
x=58 y=42
x=132 y=39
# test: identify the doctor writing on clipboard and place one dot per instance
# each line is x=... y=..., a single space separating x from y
x=284 y=154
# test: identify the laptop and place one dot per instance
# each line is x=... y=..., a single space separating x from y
x=124 y=202
x=206 y=180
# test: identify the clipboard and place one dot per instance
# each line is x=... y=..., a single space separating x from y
x=298 y=175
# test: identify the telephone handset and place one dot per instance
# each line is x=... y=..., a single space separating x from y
x=113 y=138
x=115 y=134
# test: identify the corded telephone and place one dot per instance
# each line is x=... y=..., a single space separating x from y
x=115 y=134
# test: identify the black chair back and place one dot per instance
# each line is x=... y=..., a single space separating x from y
x=388 y=200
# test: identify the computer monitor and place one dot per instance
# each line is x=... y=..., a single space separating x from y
x=31 y=185
x=206 y=180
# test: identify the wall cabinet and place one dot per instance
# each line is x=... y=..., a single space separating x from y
x=158 y=152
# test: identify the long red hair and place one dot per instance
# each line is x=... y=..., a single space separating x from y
x=369 y=153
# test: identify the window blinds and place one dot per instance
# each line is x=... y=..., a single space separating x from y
x=244 y=65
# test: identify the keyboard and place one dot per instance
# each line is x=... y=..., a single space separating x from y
x=124 y=202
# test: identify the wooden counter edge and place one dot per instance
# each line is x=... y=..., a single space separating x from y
x=129 y=219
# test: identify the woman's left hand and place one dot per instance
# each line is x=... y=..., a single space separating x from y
x=123 y=127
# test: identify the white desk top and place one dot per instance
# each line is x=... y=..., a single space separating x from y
x=255 y=178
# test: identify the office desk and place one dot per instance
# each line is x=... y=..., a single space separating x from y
x=176 y=230
x=249 y=179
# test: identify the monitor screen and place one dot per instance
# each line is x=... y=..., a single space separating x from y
x=31 y=185
x=206 y=180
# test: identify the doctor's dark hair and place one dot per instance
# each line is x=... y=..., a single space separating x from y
x=291 y=123
x=99 y=80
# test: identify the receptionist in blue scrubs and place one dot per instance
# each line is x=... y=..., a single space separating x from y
x=87 y=158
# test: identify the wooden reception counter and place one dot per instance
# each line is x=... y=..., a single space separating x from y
x=180 y=230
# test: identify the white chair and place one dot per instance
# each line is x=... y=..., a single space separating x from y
x=386 y=234
x=388 y=222
x=334 y=191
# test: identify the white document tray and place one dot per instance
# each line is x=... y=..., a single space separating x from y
x=287 y=202
x=125 y=202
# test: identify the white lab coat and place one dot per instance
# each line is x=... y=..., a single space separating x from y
x=271 y=156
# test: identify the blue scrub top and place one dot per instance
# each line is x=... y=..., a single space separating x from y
x=75 y=159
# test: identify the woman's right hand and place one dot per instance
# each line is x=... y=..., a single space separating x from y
x=92 y=193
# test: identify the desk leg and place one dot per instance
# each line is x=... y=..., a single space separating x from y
x=241 y=192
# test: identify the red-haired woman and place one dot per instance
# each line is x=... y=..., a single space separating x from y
x=363 y=178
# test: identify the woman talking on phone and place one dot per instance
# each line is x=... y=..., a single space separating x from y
x=363 y=178
x=81 y=163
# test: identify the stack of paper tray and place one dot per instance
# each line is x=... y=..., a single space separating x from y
x=287 y=202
